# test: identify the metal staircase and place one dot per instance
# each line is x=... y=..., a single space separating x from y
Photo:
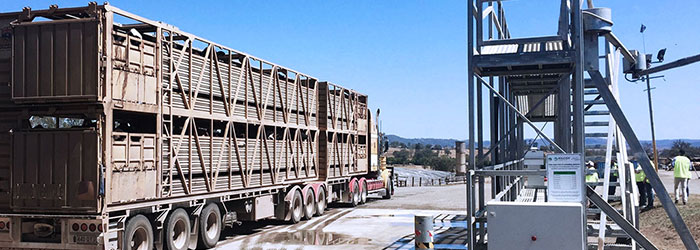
x=542 y=79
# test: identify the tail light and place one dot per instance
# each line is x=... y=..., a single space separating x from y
x=2 y=225
x=92 y=227
x=83 y=227
x=99 y=227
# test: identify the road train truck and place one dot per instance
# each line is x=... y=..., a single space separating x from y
x=120 y=132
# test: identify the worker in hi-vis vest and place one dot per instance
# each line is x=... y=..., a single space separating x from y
x=681 y=175
x=591 y=179
x=646 y=200
x=592 y=174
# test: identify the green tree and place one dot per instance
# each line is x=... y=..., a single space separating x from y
x=400 y=157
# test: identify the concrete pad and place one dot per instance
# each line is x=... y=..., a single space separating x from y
x=379 y=224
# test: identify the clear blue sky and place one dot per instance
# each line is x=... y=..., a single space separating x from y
x=409 y=56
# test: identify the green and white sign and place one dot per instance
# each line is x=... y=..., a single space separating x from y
x=564 y=177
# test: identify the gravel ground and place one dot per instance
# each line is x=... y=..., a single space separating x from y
x=656 y=226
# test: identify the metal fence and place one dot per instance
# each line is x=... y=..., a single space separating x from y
x=412 y=181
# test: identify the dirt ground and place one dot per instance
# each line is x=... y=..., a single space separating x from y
x=656 y=226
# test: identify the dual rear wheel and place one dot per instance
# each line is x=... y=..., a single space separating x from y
x=138 y=234
x=304 y=208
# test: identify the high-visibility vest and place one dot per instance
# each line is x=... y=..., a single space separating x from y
x=613 y=169
x=639 y=177
x=592 y=178
x=681 y=167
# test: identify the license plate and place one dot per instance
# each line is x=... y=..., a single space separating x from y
x=86 y=239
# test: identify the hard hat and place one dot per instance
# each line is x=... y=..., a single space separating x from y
x=590 y=163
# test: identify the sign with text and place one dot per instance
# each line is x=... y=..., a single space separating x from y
x=564 y=178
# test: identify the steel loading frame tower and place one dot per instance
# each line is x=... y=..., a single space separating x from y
x=528 y=80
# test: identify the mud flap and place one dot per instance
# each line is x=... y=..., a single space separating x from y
x=283 y=208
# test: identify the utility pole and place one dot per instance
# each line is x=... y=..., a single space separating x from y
x=651 y=110
x=651 y=119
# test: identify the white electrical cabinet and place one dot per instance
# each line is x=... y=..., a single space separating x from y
x=535 y=225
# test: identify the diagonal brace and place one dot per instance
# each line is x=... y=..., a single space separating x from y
x=640 y=154
x=510 y=131
x=617 y=218
x=520 y=114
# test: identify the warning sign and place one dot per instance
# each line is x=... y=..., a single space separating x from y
x=564 y=179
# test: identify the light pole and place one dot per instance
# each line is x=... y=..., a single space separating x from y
x=651 y=110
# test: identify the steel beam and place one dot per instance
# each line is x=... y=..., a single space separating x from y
x=521 y=115
x=523 y=40
x=616 y=42
x=470 y=83
x=671 y=65
x=511 y=172
x=640 y=154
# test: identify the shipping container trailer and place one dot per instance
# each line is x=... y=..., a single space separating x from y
x=119 y=132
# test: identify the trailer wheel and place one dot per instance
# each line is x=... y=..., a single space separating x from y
x=209 y=226
x=321 y=203
x=363 y=195
x=297 y=207
x=309 y=204
x=389 y=190
x=138 y=234
x=355 y=196
x=177 y=230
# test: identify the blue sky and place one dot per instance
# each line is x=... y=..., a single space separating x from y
x=409 y=56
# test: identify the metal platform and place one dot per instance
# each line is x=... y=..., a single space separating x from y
x=541 y=79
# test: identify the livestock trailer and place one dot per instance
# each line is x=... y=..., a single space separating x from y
x=119 y=132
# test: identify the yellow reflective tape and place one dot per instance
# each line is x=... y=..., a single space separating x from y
x=421 y=245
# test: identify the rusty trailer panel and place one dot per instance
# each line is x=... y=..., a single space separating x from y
x=55 y=61
x=55 y=169
x=344 y=124
x=7 y=122
x=342 y=109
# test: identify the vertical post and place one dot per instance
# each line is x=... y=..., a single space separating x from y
x=564 y=114
x=470 y=107
x=480 y=141
x=460 y=150
x=651 y=120
x=423 y=232
x=578 y=82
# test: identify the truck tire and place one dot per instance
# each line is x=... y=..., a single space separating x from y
x=363 y=195
x=297 y=207
x=355 y=196
x=209 y=226
x=177 y=230
x=138 y=234
x=389 y=190
x=309 y=204
x=321 y=203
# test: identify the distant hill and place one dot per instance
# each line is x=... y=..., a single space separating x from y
x=424 y=141
x=661 y=144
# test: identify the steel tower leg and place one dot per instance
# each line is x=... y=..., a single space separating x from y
x=644 y=161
